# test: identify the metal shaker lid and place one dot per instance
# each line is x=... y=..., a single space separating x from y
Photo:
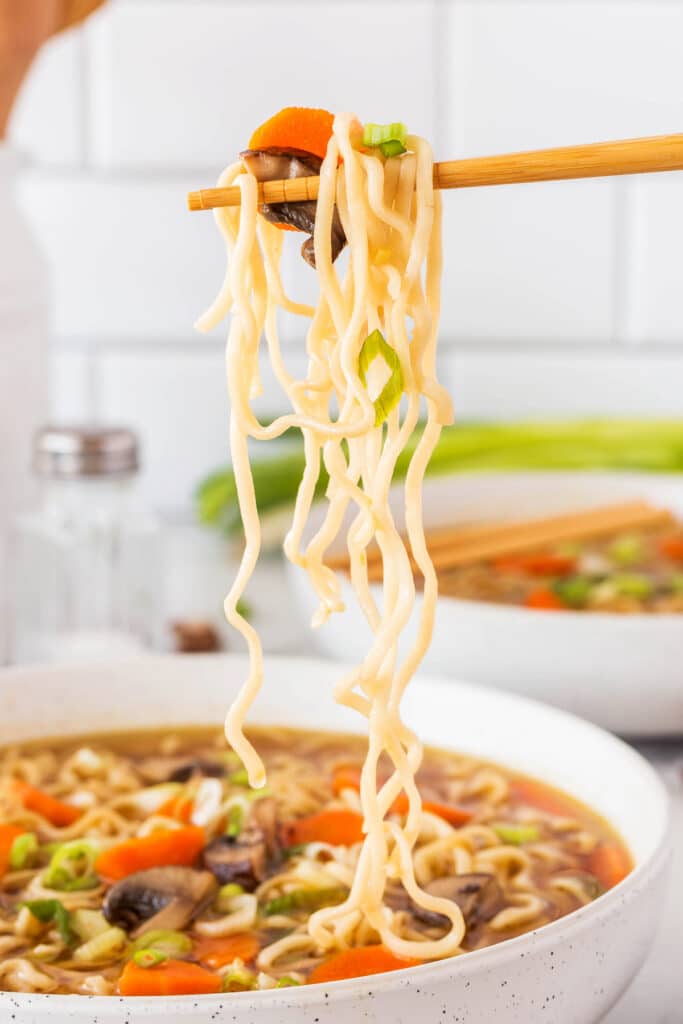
x=66 y=452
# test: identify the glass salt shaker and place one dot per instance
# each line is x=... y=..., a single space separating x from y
x=87 y=563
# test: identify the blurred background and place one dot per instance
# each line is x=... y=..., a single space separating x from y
x=559 y=299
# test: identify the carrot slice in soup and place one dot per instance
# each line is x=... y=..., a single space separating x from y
x=220 y=952
x=179 y=807
x=172 y=978
x=339 y=828
x=537 y=564
x=180 y=846
x=535 y=794
x=55 y=811
x=348 y=777
x=672 y=547
x=8 y=833
x=306 y=128
x=610 y=863
x=358 y=963
x=544 y=600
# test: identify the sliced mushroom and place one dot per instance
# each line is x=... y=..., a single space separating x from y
x=274 y=164
x=242 y=860
x=479 y=897
x=178 y=769
x=167 y=898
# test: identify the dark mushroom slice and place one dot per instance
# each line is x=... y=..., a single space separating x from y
x=274 y=164
x=167 y=898
x=479 y=897
x=242 y=859
x=178 y=769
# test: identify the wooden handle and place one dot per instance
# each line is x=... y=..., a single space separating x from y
x=596 y=160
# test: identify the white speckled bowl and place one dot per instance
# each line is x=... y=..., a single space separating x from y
x=569 y=972
x=596 y=665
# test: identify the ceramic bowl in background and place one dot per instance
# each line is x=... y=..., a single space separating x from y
x=624 y=672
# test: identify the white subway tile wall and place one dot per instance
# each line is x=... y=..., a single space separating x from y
x=559 y=299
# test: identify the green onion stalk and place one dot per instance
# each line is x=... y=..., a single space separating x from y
x=637 y=445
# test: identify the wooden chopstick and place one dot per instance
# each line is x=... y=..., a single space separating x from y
x=457 y=546
x=595 y=160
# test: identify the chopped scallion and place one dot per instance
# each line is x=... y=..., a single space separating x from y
x=239 y=981
x=375 y=345
x=162 y=940
x=304 y=899
x=23 y=851
x=52 y=911
x=517 y=835
x=149 y=958
x=235 y=822
x=71 y=868
x=384 y=134
x=287 y=982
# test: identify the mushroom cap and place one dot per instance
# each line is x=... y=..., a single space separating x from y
x=168 y=897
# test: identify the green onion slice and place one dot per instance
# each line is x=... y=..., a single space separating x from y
x=632 y=585
x=517 y=835
x=239 y=778
x=235 y=822
x=375 y=345
x=162 y=940
x=287 y=982
x=52 y=911
x=385 y=135
x=239 y=981
x=23 y=851
x=149 y=958
x=304 y=899
x=72 y=867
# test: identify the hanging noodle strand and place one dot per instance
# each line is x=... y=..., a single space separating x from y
x=391 y=216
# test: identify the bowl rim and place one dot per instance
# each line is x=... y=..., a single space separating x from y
x=526 y=944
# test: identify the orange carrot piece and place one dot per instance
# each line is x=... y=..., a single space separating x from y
x=8 y=833
x=172 y=978
x=220 y=952
x=358 y=963
x=544 y=600
x=55 y=811
x=672 y=547
x=306 y=128
x=537 y=564
x=339 y=828
x=179 y=807
x=544 y=798
x=346 y=776
x=453 y=815
x=610 y=863
x=180 y=846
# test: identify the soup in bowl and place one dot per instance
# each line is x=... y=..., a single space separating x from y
x=143 y=867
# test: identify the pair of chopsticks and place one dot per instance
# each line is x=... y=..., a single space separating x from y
x=596 y=160
x=455 y=546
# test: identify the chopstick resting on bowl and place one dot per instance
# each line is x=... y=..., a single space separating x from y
x=595 y=160
x=455 y=546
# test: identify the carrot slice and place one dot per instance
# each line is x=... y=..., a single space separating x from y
x=544 y=798
x=610 y=863
x=348 y=777
x=453 y=815
x=220 y=952
x=306 y=128
x=339 y=828
x=55 y=811
x=358 y=963
x=179 y=807
x=172 y=978
x=8 y=833
x=180 y=846
x=537 y=564
x=672 y=547
x=544 y=600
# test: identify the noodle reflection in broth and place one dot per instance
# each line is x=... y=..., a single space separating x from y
x=391 y=216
